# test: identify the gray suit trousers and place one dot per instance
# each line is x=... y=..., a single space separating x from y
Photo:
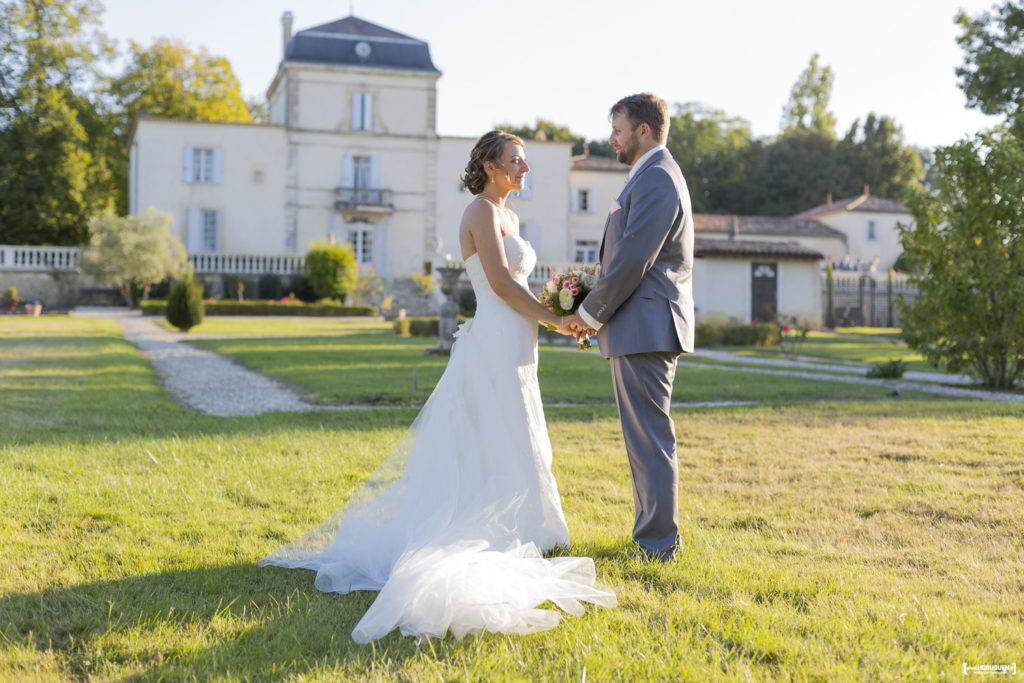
x=643 y=392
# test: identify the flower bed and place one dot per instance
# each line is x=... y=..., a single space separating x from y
x=285 y=306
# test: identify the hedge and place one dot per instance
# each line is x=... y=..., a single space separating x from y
x=758 y=334
x=257 y=307
x=419 y=327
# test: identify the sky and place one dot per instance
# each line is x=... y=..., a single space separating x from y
x=568 y=61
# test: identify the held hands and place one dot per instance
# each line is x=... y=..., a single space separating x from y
x=580 y=328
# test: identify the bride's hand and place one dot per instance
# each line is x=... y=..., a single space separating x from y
x=564 y=326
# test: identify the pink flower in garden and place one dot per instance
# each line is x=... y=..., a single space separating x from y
x=210 y=300
x=785 y=328
x=753 y=322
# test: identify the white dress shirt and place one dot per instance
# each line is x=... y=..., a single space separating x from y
x=589 y=319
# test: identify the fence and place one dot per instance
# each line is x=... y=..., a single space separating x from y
x=866 y=299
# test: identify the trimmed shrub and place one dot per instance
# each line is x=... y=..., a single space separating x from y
x=303 y=290
x=894 y=369
x=331 y=269
x=402 y=327
x=185 y=307
x=10 y=299
x=757 y=334
x=426 y=326
x=268 y=286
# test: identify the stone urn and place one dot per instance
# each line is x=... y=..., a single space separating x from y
x=449 y=318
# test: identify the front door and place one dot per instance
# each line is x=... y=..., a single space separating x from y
x=764 y=294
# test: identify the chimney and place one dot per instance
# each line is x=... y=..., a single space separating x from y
x=734 y=227
x=867 y=190
x=286 y=32
x=828 y=198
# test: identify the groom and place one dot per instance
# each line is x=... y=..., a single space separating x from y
x=642 y=310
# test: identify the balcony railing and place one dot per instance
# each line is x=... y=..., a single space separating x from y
x=39 y=259
x=65 y=259
x=363 y=199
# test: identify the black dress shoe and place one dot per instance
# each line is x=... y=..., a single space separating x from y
x=661 y=555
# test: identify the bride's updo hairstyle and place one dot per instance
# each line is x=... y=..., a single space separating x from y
x=488 y=148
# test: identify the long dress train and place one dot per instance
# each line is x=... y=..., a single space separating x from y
x=451 y=526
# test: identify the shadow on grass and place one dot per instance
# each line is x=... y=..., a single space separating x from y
x=236 y=620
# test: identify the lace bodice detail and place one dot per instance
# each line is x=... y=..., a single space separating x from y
x=521 y=257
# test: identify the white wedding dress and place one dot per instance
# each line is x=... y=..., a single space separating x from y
x=451 y=526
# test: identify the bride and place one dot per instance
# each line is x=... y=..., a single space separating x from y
x=451 y=527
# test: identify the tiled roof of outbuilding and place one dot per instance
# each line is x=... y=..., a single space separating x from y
x=763 y=225
x=335 y=43
x=704 y=247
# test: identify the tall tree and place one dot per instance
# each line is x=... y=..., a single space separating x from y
x=965 y=253
x=171 y=80
x=876 y=155
x=793 y=173
x=992 y=75
x=714 y=150
x=52 y=175
x=807 y=108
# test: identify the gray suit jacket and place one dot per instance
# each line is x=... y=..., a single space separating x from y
x=644 y=298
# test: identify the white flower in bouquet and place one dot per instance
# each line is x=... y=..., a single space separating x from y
x=565 y=299
x=589 y=281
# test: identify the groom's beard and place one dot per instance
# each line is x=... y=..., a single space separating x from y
x=627 y=151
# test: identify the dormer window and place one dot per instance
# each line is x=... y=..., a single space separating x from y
x=362 y=111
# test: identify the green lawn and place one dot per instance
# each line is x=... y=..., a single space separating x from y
x=854 y=345
x=855 y=539
x=366 y=363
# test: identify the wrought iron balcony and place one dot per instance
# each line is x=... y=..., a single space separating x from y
x=363 y=199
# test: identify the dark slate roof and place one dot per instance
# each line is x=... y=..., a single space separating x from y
x=864 y=202
x=335 y=43
x=763 y=225
x=586 y=162
x=704 y=247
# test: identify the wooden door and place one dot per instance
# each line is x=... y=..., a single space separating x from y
x=764 y=283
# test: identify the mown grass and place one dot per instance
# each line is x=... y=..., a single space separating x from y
x=367 y=363
x=838 y=540
x=869 y=347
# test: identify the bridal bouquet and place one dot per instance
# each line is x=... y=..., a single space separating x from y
x=564 y=292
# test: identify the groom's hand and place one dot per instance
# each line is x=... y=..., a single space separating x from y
x=579 y=327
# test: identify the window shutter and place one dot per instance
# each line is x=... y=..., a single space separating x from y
x=574 y=200
x=374 y=172
x=186 y=165
x=348 y=172
x=367 y=112
x=194 y=229
x=594 y=201
x=214 y=243
x=357 y=111
x=218 y=166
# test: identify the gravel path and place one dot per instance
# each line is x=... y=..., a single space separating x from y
x=201 y=379
x=914 y=381
x=212 y=384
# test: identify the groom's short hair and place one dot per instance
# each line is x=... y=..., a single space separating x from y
x=645 y=108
